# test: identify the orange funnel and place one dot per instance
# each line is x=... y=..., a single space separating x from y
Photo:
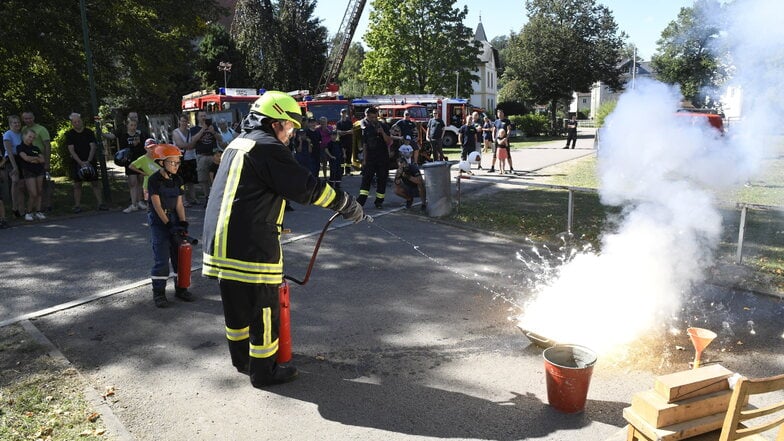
x=700 y=338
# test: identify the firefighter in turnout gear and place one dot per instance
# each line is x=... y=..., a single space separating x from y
x=375 y=142
x=166 y=215
x=242 y=228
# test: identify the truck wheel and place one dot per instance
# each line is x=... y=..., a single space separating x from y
x=449 y=140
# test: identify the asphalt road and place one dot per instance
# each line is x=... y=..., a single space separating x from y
x=403 y=332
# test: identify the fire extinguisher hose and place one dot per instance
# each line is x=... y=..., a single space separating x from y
x=316 y=249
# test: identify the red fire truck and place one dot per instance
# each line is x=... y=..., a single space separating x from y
x=230 y=103
x=327 y=104
x=452 y=110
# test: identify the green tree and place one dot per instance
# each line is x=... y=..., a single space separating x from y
x=303 y=41
x=350 y=76
x=500 y=43
x=566 y=46
x=254 y=33
x=141 y=54
x=686 y=51
x=513 y=91
x=418 y=46
x=284 y=46
x=604 y=111
x=217 y=46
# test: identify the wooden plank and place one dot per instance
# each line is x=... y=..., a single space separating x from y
x=675 y=432
x=692 y=383
x=656 y=411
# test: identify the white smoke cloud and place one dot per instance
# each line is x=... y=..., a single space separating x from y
x=664 y=169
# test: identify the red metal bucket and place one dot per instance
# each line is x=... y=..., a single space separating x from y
x=568 y=370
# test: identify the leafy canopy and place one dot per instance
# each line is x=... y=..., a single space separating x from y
x=566 y=46
x=283 y=45
x=419 y=46
x=141 y=54
x=687 y=51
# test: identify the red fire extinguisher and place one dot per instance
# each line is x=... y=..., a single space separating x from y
x=284 y=332
x=184 y=252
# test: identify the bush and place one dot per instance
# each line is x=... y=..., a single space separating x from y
x=531 y=124
x=60 y=161
x=604 y=110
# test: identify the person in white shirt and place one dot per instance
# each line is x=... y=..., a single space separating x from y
x=226 y=133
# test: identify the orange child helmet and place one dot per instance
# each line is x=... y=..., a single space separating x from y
x=164 y=151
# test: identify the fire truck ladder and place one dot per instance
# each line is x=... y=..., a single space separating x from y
x=338 y=52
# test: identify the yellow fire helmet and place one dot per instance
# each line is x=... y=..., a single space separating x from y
x=278 y=105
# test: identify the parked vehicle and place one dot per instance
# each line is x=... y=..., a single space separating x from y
x=701 y=116
x=232 y=103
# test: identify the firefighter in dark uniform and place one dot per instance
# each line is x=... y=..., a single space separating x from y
x=375 y=157
x=242 y=228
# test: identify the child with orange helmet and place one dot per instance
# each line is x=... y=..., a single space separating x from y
x=167 y=221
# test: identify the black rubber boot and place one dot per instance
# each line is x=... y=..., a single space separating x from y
x=159 y=297
x=267 y=372
x=361 y=200
x=183 y=294
x=379 y=203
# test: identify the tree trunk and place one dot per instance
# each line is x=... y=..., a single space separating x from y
x=554 y=129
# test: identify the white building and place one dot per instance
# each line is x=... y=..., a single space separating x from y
x=731 y=102
x=485 y=91
x=581 y=102
x=601 y=93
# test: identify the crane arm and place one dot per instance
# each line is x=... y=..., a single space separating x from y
x=338 y=52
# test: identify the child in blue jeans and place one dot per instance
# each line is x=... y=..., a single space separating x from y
x=166 y=215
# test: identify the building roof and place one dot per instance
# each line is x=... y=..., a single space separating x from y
x=480 y=35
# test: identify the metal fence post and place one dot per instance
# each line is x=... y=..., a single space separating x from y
x=741 y=231
x=570 y=212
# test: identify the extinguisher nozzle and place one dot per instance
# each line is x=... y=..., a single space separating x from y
x=368 y=218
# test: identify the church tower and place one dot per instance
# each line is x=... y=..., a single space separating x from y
x=485 y=91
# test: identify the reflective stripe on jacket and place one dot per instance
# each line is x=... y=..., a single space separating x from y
x=243 y=219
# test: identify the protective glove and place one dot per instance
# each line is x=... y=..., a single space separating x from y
x=184 y=227
x=175 y=230
x=350 y=209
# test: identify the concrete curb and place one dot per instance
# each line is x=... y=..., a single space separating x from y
x=113 y=425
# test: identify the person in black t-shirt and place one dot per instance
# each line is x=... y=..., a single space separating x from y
x=375 y=157
x=435 y=135
x=468 y=135
x=571 y=131
x=314 y=136
x=345 y=129
x=168 y=225
x=205 y=139
x=130 y=137
x=216 y=159
x=334 y=152
x=31 y=163
x=82 y=146
x=501 y=122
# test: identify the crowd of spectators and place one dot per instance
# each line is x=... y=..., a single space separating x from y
x=326 y=150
